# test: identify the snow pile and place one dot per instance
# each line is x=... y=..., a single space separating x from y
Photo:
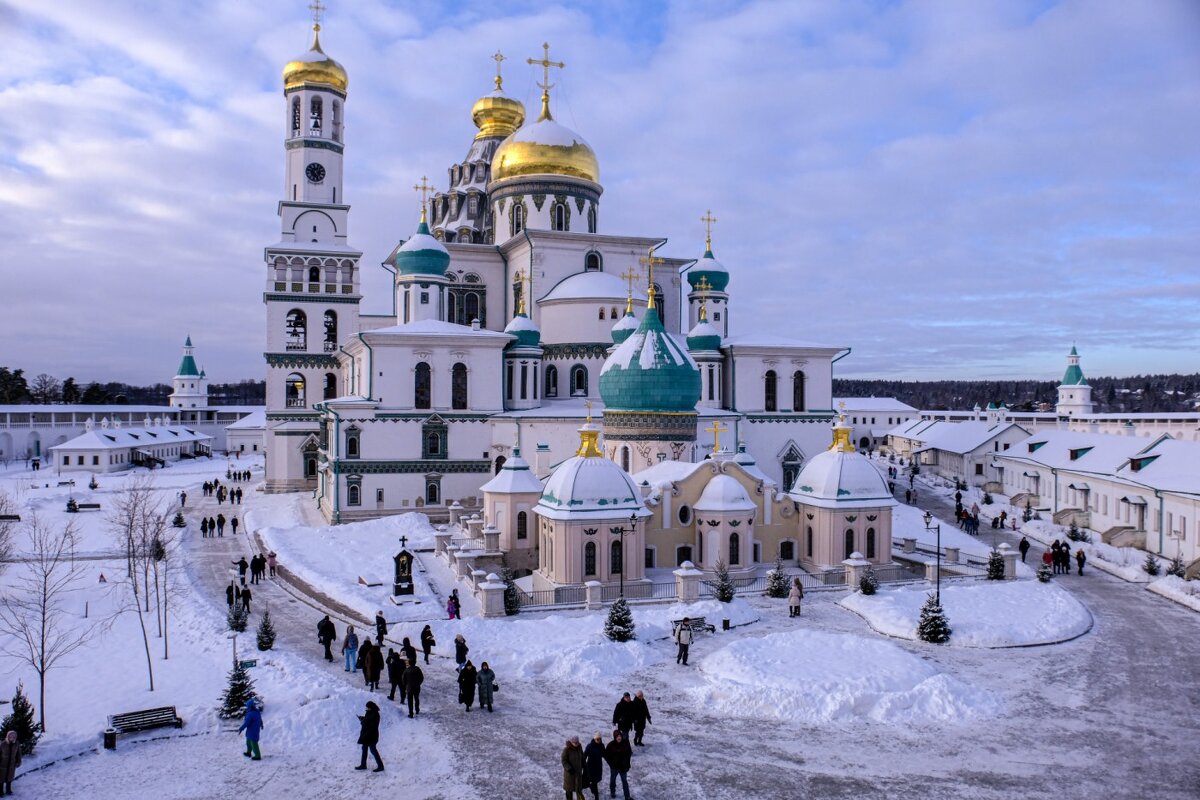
x=982 y=614
x=814 y=677
x=1175 y=588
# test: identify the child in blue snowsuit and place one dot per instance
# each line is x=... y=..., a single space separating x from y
x=252 y=725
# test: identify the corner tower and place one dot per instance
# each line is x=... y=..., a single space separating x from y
x=190 y=384
x=1074 y=394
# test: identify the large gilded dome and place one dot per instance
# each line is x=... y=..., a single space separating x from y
x=545 y=148
x=497 y=114
x=315 y=67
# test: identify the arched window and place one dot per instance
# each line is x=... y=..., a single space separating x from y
x=787 y=550
x=315 y=114
x=296 y=330
x=433 y=443
x=337 y=121
x=330 y=386
x=682 y=553
x=422 y=386
x=353 y=495
x=310 y=468
x=314 y=273
x=870 y=542
x=471 y=306
x=625 y=453
x=592 y=219
x=808 y=541
x=352 y=444
x=295 y=116
x=522 y=524
x=579 y=381
x=551 y=381
x=616 y=561
x=798 y=391
x=770 y=401
x=735 y=555
x=433 y=493
x=500 y=463
x=602 y=313
x=592 y=262
x=294 y=391
x=331 y=332
x=659 y=305
x=558 y=217
x=518 y=218
x=458 y=386
x=612 y=313
x=589 y=558
x=849 y=542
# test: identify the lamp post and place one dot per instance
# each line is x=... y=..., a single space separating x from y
x=938 y=528
x=621 y=532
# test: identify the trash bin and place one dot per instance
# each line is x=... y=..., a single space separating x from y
x=110 y=739
x=724 y=624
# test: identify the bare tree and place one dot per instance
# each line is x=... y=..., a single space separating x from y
x=38 y=630
x=134 y=521
x=8 y=508
x=45 y=389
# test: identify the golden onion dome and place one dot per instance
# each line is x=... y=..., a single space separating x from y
x=314 y=67
x=497 y=114
x=545 y=148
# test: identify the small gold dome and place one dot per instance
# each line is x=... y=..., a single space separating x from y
x=497 y=114
x=314 y=67
x=545 y=148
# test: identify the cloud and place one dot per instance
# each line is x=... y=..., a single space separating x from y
x=950 y=188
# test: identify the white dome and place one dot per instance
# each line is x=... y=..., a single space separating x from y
x=724 y=493
x=593 y=286
x=590 y=487
x=514 y=477
x=837 y=479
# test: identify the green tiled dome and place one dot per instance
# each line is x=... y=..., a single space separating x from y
x=526 y=332
x=650 y=371
x=624 y=328
x=708 y=267
x=422 y=254
x=703 y=337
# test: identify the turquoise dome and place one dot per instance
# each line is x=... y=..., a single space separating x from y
x=709 y=267
x=650 y=371
x=624 y=328
x=422 y=255
x=703 y=337
x=526 y=332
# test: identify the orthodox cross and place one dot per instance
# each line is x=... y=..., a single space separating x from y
x=716 y=429
x=546 y=85
x=498 y=58
x=629 y=276
x=649 y=261
x=424 y=188
x=317 y=9
x=708 y=219
x=702 y=286
x=522 y=279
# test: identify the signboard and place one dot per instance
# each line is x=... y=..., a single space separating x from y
x=248 y=663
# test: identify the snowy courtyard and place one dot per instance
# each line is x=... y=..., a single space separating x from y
x=841 y=702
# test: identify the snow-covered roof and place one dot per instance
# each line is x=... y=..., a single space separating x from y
x=667 y=472
x=514 y=477
x=592 y=286
x=872 y=404
x=254 y=420
x=1169 y=465
x=911 y=429
x=838 y=479
x=590 y=487
x=434 y=327
x=119 y=438
x=1079 y=451
x=962 y=437
x=724 y=493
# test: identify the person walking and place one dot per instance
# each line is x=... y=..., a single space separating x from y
x=1080 y=559
x=413 y=678
x=487 y=686
x=683 y=638
x=395 y=671
x=380 y=628
x=350 y=649
x=272 y=562
x=252 y=724
x=466 y=684
x=233 y=525
x=622 y=716
x=460 y=650
x=618 y=754
x=641 y=717
x=427 y=642
x=246 y=598
x=572 y=765
x=410 y=652
x=203 y=527
x=183 y=499
x=254 y=569
x=375 y=666
x=1065 y=554
x=368 y=737
x=795 y=595
x=593 y=765
x=326 y=633
x=242 y=565
x=231 y=594
x=1023 y=547
x=212 y=526
x=220 y=524
x=10 y=759
x=1056 y=557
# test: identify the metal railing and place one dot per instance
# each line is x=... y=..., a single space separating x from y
x=639 y=591
x=561 y=596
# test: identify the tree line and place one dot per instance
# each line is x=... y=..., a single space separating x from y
x=1133 y=394
x=44 y=389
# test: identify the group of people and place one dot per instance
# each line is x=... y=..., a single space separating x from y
x=210 y=527
x=583 y=767
x=1058 y=558
x=454 y=605
x=240 y=596
x=403 y=670
x=214 y=488
x=237 y=474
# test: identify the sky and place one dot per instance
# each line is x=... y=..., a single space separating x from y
x=952 y=189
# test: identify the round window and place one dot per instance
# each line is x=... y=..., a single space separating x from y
x=685 y=515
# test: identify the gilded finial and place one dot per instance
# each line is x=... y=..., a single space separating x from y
x=629 y=276
x=841 y=432
x=317 y=9
x=424 y=188
x=702 y=287
x=522 y=280
x=708 y=219
x=588 y=405
x=648 y=262
x=546 y=85
x=499 y=80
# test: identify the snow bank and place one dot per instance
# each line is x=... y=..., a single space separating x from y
x=1175 y=588
x=1124 y=562
x=981 y=614
x=814 y=677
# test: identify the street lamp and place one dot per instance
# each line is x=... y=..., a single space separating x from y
x=938 y=528
x=621 y=533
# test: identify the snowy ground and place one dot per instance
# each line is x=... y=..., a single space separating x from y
x=820 y=706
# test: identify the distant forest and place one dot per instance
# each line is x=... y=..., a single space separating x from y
x=1140 y=393
x=48 y=390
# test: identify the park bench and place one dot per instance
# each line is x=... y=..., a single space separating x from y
x=10 y=517
x=66 y=483
x=145 y=720
x=370 y=581
x=695 y=625
x=88 y=506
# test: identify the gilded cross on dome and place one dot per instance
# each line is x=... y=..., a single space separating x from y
x=424 y=188
x=317 y=9
x=702 y=286
x=546 y=85
x=522 y=279
x=499 y=80
x=716 y=429
x=648 y=262
x=708 y=219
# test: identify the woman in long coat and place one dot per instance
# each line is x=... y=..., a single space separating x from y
x=572 y=764
x=427 y=641
x=10 y=759
x=486 y=680
x=794 y=597
x=373 y=666
x=460 y=650
x=593 y=764
x=466 y=685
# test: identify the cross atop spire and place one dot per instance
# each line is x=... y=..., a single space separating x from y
x=546 y=85
x=499 y=80
x=317 y=9
x=716 y=429
x=708 y=219
x=648 y=262
x=702 y=287
x=522 y=280
x=424 y=188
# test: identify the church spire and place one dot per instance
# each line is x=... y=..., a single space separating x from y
x=546 y=85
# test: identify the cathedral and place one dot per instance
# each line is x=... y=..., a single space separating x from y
x=520 y=326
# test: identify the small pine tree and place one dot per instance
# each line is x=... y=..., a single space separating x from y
x=933 y=626
x=1177 y=567
x=868 y=584
x=23 y=721
x=1027 y=514
x=724 y=590
x=512 y=600
x=1151 y=566
x=179 y=521
x=987 y=498
x=238 y=617
x=995 y=566
x=72 y=506
x=619 y=626
x=92 y=484
x=239 y=690
x=1044 y=574
x=777 y=582
x=266 y=632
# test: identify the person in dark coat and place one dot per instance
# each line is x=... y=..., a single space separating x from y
x=593 y=765
x=460 y=650
x=371 y=658
x=413 y=678
x=368 y=736
x=10 y=759
x=246 y=598
x=641 y=717
x=380 y=628
x=326 y=633
x=395 y=671
x=233 y=523
x=487 y=685
x=622 y=717
x=427 y=642
x=242 y=565
x=204 y=527
x=221 y=524
x=1080 y=559
x=252 y=724
x=466 y=684
x=231 y=594
x=212 y=526
x=1065 y=555
x=617 y=754
x=1056 y=557
x=1024 y=548
x=410 y=652
x=572 y=765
